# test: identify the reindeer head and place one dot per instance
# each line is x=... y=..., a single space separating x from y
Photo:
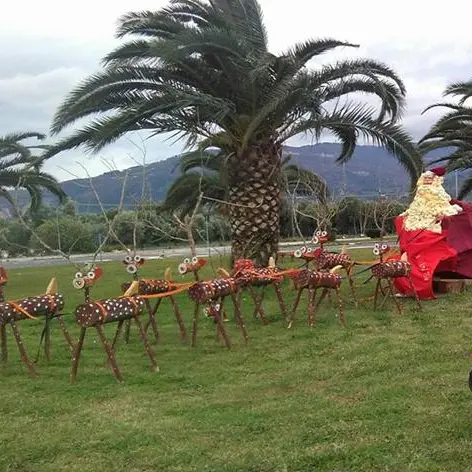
x=133 y=264
x=87 y=278
x=320 y=237
x=193 y=265
x=380 y=249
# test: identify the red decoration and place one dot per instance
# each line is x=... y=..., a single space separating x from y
x=439 y=171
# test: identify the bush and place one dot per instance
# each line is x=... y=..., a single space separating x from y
x=67 y=234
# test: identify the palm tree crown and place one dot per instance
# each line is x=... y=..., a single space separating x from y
x=202 y=70
x=453 y=133
x=20 y=167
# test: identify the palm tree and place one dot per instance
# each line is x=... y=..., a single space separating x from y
x=20 y=168
x=201 y=70
x=206 y=173
x=453 y=133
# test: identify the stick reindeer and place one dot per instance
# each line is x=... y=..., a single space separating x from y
x=249 y=277
x=163 y=288
x=388 y=271
x=324 y=260
x=312 y=280
x=97 y=313
x=48 y=305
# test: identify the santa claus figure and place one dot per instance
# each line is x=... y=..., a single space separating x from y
x=435 y=236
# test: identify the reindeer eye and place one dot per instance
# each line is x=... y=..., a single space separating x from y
x=376 y=245
x=194 y=260
x=318 y=233
x=384 y=247
x=187 y=261
x=303 y=249
x=324 y=234
x=376 y=251
x=137 y=258
x=128 y=259
x=78 y=275
x=91 y=275
x=309 y=250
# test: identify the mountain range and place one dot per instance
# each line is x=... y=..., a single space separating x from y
x=370 y=172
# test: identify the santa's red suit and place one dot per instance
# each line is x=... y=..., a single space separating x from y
x=429 y=253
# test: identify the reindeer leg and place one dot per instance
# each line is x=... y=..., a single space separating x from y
x=144 y=339
x=318 y=303
x=220 y=326
x=65 y=332
x=415 y=293
x=117 y=333
x=110 y=352
x=76 y=355
x=3 y=343
x=258 y=302
x=280 y=298
x=178 y=317
x=352 y=285
x=152 y=310
x=195 y=324
x=295 y=306
x=392 y=292
x=376 y=293
x=127 y=331
x=239 y=316
x=21 y=347
x=311 y=305
x=342 y=314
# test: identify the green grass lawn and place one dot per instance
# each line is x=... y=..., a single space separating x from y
x=387 y=393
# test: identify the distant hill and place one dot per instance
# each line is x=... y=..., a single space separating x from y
x=370 y=171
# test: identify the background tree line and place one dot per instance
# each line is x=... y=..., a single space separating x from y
x=154 y=225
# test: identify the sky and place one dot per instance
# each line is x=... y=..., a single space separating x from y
x=48 y=48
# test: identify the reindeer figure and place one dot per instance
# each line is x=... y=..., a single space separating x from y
x=212 y=294
x=388 y=271
x=48 y=305
x=97 y=313
x=312 y=280
x=326 y=260
x=250 y=277
x=159 y=289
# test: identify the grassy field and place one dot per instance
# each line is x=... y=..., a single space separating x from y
x=389 y=393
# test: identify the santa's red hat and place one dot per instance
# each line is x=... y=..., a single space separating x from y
x=439 y=171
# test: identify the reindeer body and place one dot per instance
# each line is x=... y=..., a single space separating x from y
x=149 y=287
x=249 y=277
x=388 y=271
x=47 y=306
x=97 y=313
x=324 y=260
x=312 y=280
x=213 y=293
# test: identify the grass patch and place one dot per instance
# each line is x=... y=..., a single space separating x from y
x=387 y=393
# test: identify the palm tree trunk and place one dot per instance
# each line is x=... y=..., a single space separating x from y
x=254 y=203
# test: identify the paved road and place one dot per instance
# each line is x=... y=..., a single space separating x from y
x=21 y=262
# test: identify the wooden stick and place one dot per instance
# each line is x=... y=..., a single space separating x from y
x=239 y=317
x=295 y=306
x=178 y=317
x=195 y=324
x=21 y=347
x=110 y=353
x=76 y=357
x=3 y=343
x=147 y=347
